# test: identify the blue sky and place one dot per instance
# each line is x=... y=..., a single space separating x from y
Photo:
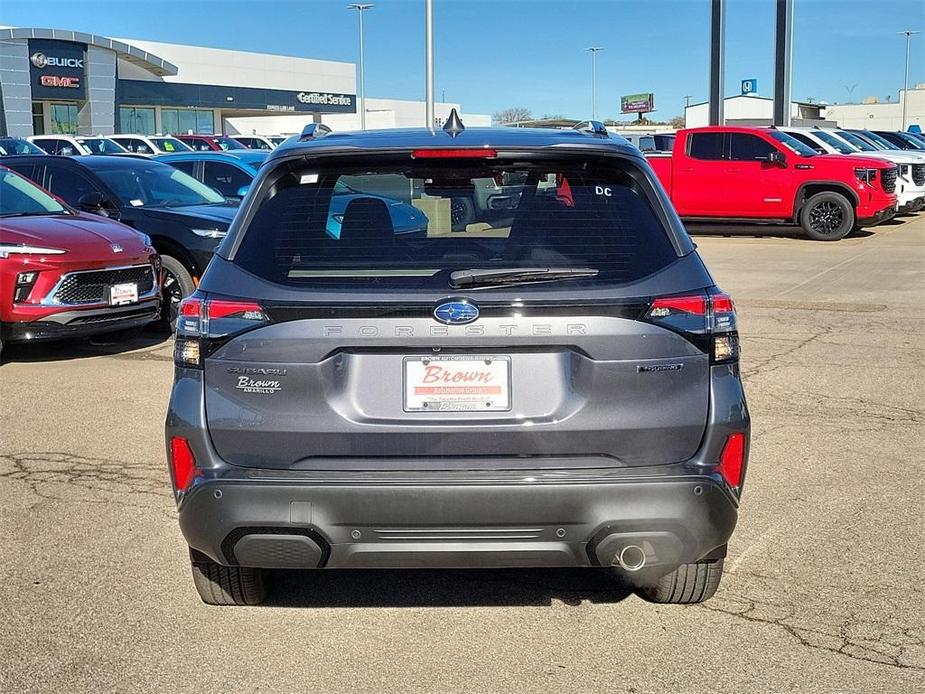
x=491 y=55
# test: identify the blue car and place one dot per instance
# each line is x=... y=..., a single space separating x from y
x=231 y=173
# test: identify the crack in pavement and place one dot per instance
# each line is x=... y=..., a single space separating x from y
x=898 y=647
x=55 y=476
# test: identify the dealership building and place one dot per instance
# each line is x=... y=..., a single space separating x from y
x=61 y=81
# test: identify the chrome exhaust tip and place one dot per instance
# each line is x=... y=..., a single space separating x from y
x=632 y=558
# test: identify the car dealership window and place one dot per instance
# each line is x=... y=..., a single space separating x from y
x=64 y=119
x=137 y=120
x=199 y=121
x=38 y=118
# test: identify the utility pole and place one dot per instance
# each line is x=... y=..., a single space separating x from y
x=850 y=91
x=429 y=60
x=594 y=50
x=905 y=96
x=360 y=8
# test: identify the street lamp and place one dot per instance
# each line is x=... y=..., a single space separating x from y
x=908 y=34
x=360 y=7
x=593 y=50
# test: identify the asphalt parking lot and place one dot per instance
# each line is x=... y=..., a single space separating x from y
x=823 y=589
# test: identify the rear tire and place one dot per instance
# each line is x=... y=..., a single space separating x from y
x=178 y=284
x=827 y=216
x=228 y=585
x=686 y=585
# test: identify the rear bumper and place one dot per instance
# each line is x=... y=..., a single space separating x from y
x=286 y=519
x=82 y=322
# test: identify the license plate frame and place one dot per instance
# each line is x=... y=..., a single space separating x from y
x=123 y=294
x=477 y=394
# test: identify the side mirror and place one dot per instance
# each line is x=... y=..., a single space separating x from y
x=91 y=202
x=242 y=191
x=777 y=159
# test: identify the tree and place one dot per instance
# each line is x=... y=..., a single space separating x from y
x=514 y=114
x=677 y=122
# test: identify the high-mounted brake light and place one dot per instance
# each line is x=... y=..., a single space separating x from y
x=732 y=460
x=182 y=464
x=470 y=153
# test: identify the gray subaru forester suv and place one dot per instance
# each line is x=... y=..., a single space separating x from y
x=555 y=385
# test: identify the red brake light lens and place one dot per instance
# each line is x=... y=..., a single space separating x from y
x=732 y=461
x=246 y=310
x=182 y=463
x=471 y=153
x=664 y=306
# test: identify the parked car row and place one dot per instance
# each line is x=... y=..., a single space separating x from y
x=147 y=145
x=829 y=182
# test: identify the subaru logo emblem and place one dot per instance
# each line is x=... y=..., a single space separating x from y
x=116 y=248
x=458 y=312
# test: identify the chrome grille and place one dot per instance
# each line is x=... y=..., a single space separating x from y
x=92 y=286
x=918 y=174
x=888 y=180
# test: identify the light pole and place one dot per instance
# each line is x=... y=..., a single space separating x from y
x=360 y=8
x=908 y=34
x=429 y=61
x=593 y=50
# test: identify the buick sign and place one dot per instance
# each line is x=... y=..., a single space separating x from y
x=41 y=61
x=458 y=312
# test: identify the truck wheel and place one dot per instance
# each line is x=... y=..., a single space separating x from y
x=688 y=584
x=827 y=217
x=178 y=284
x=462 y=213
x=228 y=585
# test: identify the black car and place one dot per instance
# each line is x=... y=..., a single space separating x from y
x=557 y=388
x=185 y=218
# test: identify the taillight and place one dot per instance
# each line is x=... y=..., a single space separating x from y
x=182 y=464
x=472 y=153
x=706 y=318
x=203 y=323
x=732 y=460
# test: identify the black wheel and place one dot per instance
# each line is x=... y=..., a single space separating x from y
x=228 y=585
x=688 y=584
x=462 y=213
x=827 y=217
x=178 y=284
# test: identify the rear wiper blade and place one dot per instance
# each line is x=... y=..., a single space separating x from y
x=520 y=275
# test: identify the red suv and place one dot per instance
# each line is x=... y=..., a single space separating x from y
x=65 y=273
x=211 y=143
x=723 y=174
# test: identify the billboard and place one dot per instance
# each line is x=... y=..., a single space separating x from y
x=637 y=103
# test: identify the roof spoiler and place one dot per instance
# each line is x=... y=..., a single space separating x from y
x=313 y=130
x=592 y=127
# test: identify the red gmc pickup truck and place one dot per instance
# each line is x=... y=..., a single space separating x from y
x=725 y=174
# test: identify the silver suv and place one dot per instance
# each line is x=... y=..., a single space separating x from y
x=556 y=388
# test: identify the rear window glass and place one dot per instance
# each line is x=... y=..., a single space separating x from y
x=411 y=222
